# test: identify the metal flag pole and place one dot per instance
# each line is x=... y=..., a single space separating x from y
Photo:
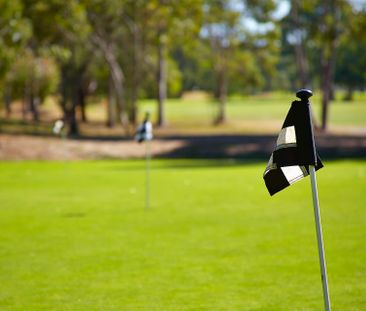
x=59 y=130
x=147 y=176
x=65 y=149
x=304 y=95
x=144 y=134
x=319 y=236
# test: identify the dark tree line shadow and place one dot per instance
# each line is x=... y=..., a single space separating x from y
x=259 y=147
x=239 y=147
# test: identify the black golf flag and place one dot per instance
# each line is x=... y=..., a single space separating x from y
x=144 y=131
x=295 y=148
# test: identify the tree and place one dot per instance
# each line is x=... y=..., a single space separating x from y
x=237 y=52
x=105 y=19
x=328 y=38
x=315 y=29
x=31 y=79
x=333 y=20
x=60 y=29
x=350 y=70
x=134 y=57
x=119 y=30
x=173 y=22
x=294 y=32
x=15 y=32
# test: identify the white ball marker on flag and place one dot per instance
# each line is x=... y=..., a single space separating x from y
x=58 y=126
x=59 y=130
x=295 y=157
x=144 y=133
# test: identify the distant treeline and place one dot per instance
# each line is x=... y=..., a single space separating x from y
x=129 y=49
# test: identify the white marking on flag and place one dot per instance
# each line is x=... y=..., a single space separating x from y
x=292 y=173
x=287 y=136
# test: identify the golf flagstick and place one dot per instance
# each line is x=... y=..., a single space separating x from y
x=65 y=149
x=319 y=236
x=147 y=176
x=295 y=157
x=59 y=130
x=144 y=134
x=304 y=96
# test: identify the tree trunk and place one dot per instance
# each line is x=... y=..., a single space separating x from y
x=69 y=98
x=328 y=62
x=7 y=100
x=325 y=102
x=25 y=102
x=162 y=79
x=133 y=109
x=118 y=84
x=33 y=105
x=111 y=113
x=82 y=103
x=72 y=120
x=73 y=124
x=116 y=75
x=222 y=96
x=332 y=91
x=301 y=61
x=326 y=89
x=302 y=67
x=137 y=45
x=349 y=94
x=63 y=92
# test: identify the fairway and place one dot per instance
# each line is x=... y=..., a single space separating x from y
x=76 y=236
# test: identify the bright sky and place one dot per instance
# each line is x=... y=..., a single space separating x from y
x=283 y=7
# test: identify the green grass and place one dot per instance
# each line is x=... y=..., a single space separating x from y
x=257 y=114
x=75 y=236
x=263 y=108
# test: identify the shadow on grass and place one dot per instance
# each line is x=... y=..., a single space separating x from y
x=25 y=127
x=247 y=148
x=199 y=163
x=184 y=163
x=260 y=147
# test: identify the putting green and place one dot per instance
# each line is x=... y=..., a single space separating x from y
x=75 y=236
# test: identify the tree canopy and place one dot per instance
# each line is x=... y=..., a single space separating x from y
x=126 y=50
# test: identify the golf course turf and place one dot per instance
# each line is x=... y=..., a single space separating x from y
x=76 y=236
